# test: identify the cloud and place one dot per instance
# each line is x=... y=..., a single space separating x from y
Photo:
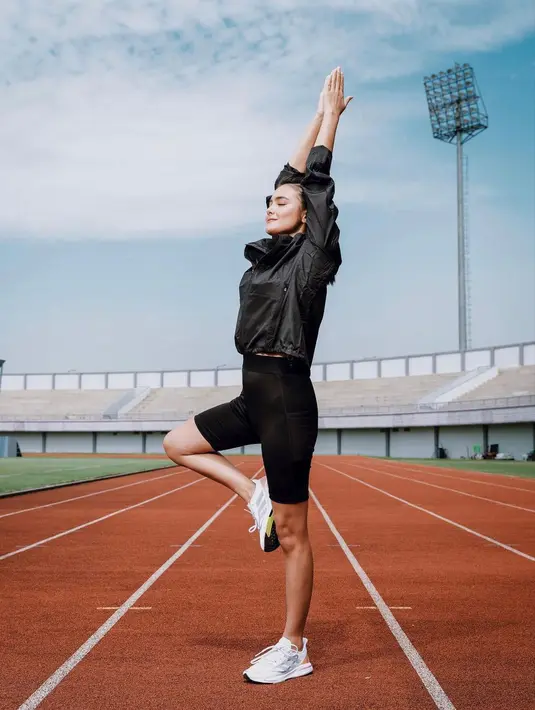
x=130 y=119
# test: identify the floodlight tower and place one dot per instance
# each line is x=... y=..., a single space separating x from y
x=457 y=114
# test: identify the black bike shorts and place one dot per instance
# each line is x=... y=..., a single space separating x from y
x=277 y=409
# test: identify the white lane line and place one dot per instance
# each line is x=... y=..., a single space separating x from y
x=424 y=470
x=375 y=608
x=434 y=515
x=132 y=608
x=444 y=488
x=429 y=681
x=55 y=679
x=88 y=495
x=97 y=520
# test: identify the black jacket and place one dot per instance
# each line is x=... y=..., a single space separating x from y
x=283 y=293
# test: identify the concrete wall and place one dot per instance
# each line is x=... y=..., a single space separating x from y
x=154 y=443
x=29 y=442
x=366 y=442
x=412 y=444
x=460 y=441
x=516 y=439
x=120 y=443
x=58 y=443
x=327 y=442
x=429 y=363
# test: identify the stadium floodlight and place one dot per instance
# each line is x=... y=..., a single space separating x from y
x=457 y=114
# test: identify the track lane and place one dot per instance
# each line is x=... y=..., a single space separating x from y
x=406 y=562
x=17 y=532
x=102 y=565
x=470 y=613
x=457 y=487
x=479 y=487
x=211 y=613
x=18 y=504
x=81 y=496
x=513 y=482
x=511 y=527
x=36 y=499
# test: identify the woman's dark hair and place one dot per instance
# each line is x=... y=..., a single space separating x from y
x=301 y=193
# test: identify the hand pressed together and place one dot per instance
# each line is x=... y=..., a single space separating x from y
x=332 y=99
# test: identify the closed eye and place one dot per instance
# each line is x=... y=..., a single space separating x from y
x=280 y=200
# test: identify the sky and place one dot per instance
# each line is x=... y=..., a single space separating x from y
x=138 y=141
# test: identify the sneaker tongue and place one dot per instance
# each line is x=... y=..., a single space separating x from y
x=284 y=643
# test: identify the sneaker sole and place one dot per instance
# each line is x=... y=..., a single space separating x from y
x=269 y=540
x=302 y=670
x=269 y=535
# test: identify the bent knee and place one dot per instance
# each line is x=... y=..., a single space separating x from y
x=185 y=440
x=176 y=442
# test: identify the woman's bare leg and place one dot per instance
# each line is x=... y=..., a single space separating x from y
x=186 y=446
x=292 y=530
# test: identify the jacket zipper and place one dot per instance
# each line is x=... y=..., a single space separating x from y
x=253 y=268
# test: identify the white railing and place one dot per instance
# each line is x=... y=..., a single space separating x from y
x=449 y=362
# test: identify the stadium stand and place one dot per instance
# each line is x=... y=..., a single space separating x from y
x=178 y=403
x=383 y=391
x=514 y=382
x=56 y=404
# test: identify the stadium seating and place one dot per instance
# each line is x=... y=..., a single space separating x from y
x=56 y=404
x=179 y=403
x=383 y=391
x=514 y=382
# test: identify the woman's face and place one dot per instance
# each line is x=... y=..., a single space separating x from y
x=285 y=213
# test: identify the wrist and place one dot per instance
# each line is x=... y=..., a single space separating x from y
x=332 y=113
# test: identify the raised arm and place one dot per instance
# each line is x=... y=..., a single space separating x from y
x=334 y=105
x=294 y=170
x=320 y=131
x=299 y=158
x=318 y=185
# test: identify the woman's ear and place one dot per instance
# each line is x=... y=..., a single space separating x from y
x=304 y=217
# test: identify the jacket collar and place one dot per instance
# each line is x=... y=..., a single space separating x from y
x=254 y=251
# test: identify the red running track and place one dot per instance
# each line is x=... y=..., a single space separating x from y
x=184 y=643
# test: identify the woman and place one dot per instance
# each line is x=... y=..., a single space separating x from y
x=282 y=300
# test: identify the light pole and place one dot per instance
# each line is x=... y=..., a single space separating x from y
x=457 y=114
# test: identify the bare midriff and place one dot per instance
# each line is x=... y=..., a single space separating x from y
x=271 y=355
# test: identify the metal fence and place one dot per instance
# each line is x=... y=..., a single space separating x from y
x=365 y=410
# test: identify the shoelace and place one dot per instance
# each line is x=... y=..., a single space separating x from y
x=279 y=654
x=255 y=526
x=256 y=521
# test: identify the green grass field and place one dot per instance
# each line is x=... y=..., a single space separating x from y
x=525 y=469
x=18 y=474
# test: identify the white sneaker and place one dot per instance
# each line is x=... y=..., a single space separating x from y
x=260 y=508
x=278 y=663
